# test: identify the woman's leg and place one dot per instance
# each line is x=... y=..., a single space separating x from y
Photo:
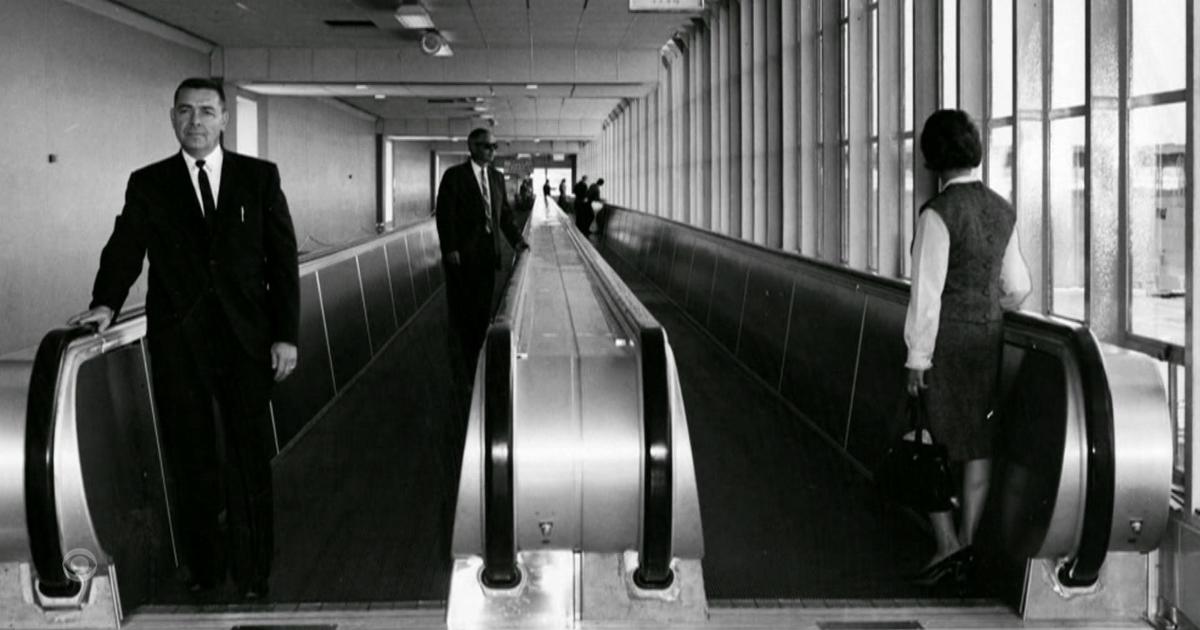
x=977 y=478
x=944 y=535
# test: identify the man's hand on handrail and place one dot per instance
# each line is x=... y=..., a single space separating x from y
x=100 y=317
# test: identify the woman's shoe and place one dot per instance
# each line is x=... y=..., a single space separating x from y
x=953 y=567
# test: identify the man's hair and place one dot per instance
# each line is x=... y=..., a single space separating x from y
x=600 y=182
x=950 y=140
x=477 y=133
x=201 y=83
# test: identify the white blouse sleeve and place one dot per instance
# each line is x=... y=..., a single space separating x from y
x=931 y=256
x=1014 y=276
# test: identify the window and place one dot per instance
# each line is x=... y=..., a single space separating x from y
x=247 y=126
x=907 y=222
x=1068 y=158
x=949 y=37
x=999 y=167
x=873 y=143
x=844 y=128
x=1157 y=177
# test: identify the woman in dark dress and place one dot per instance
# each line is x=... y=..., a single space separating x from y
x=967 y=270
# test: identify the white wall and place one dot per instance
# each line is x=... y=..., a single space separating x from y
x=96 y=94
x=326 y=160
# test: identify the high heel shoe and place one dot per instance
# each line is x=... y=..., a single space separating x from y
x=954 y=567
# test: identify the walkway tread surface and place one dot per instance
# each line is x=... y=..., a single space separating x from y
x=785 y=514
x=364 y=501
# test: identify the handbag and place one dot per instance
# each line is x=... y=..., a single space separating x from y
x=915 y=471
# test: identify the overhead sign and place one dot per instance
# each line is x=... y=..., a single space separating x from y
x=666 y=5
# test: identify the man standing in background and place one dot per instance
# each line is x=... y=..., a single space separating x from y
x=472 y=211
x=222 y=317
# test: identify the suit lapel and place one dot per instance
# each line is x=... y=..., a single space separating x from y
x=228 y=178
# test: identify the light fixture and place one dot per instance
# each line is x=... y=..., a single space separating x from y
x=380 y=97
x=361 y=86
x=413 y=16
x=530 y=86
x=479 y=108
x=432 y=43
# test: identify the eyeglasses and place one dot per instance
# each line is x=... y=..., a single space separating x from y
x=482 y=145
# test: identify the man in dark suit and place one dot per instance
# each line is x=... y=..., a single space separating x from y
x=222 y=315
x=580 y=191
x=472 y=212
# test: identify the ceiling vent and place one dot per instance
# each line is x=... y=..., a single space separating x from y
x=349 y=23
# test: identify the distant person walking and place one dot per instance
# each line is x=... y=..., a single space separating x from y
x=586 y=212
x=546 y=190
x=562 y=191
x=580 y=192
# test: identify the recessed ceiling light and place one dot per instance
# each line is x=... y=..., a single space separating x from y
x=413 y=16
x=530 y=86
x=479 y=108
x=537 y=140
x=380 y=97
x=361 y=86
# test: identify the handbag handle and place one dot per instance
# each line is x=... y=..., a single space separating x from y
x=917 y=418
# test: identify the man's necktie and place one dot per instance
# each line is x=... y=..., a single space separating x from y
x=210 y=207
x=487 y=197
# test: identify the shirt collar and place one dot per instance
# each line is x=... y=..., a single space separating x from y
x=476 y=166
x=969 y=178
x=213 y=160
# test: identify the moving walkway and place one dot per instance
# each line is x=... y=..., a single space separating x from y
x=583 y=478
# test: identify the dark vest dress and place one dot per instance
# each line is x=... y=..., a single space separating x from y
x=966 y=357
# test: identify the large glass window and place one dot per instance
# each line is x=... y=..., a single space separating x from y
x=1157 y=172
x=999 y=171
x=844 y=127
x=949 y=37
x=873 y=191
x=907 y=222
x=1068 y=159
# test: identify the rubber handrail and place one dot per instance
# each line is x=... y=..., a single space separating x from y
x=41 y=512
x=500 y=555
x=654 y=563
x=1083 y=569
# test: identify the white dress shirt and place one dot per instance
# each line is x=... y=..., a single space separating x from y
x=212 y=166
x=931 y=258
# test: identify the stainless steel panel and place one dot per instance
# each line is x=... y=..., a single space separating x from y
x=15 y=370
x=577 y=412
x=1142 y=450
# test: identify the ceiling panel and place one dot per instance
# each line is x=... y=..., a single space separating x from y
x=562 y=37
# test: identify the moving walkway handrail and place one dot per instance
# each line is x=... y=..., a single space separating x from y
x=1083 y=566
x=654 y=560
x=499 y=513
x=40 y=504
x=1083 y=569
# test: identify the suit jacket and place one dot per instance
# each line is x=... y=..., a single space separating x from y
x=244 y=256
x=462 y=222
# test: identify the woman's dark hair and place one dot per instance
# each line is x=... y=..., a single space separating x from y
x=950 y=140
